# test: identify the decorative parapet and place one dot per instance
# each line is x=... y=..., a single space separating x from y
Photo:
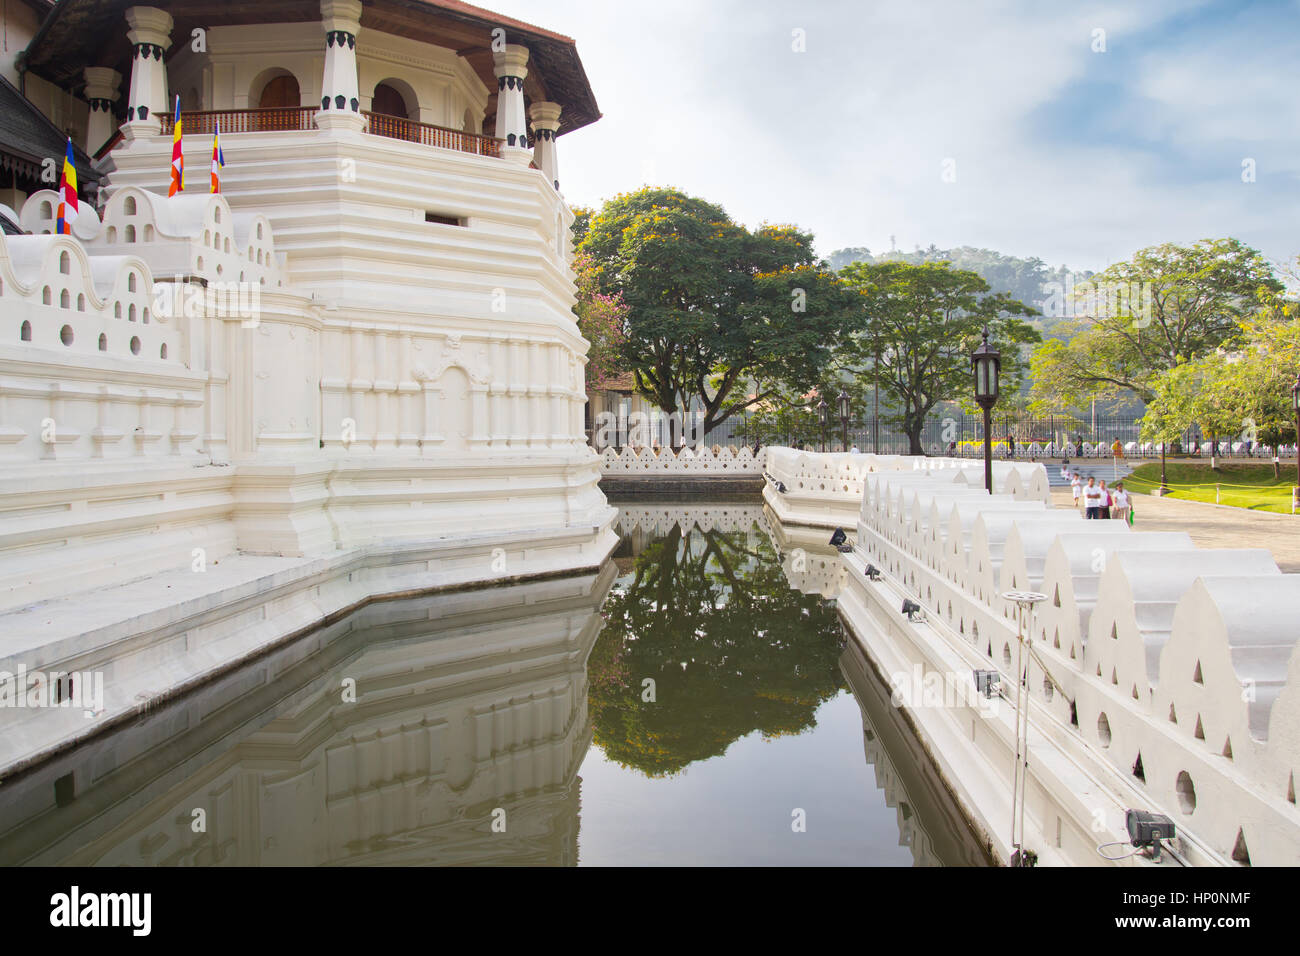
x=726 y=518
x=830 y=489
x=105 y=351
x=1174 y=668
x=698 y=462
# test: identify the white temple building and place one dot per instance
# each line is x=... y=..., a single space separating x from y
x=354 y=373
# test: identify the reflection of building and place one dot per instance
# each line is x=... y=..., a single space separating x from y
x=810 y=563
x=929 y=821
x=465 y=703
x=638 y=525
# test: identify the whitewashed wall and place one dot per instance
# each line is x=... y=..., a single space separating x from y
x=1184 y=656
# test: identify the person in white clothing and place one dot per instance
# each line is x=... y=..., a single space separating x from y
x=1092 y=499
x=1119 y=502
x=1076 y=488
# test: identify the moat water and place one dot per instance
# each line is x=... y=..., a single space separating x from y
x=695 y=702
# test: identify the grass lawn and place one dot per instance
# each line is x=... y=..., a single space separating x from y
x=1242 y=485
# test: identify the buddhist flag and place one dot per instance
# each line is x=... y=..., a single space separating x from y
x=67 y=193
x=178 y=156
x=218 y=160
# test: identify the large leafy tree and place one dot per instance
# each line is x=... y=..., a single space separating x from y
x=1167 y=306
x=921 y=323
x=716 y=314
x=733 y=650
x=1244 y=393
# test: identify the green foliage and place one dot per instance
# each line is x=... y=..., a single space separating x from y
x=1027 y=280
x=602 y=320
x=1176 y=304
x=716 y=312
x=921 y=323
x=732 y=649
x=1244 y=393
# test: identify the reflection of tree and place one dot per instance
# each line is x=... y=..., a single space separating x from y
x=731 y=648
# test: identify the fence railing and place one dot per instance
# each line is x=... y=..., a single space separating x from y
x=395 y=127
x=297 y=118
x=963 y=436
x=278 y=119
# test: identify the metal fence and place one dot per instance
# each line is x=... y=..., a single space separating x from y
x=954 y=434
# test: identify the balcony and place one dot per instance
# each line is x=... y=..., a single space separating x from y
x=289 y=119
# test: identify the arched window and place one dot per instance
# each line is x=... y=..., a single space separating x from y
x=280 y=97
x=280 y=93
x=389 y=102
x=388 y=109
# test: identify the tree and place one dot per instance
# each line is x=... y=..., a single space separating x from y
x=602 y=320
x=923 y=321
x=1168 y=305
x=717 y=315
x=1029 y=280
x=1245 y=392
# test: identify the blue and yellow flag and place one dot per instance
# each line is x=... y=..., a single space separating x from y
x=67 y=193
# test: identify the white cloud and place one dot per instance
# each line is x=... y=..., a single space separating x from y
x=847 y=139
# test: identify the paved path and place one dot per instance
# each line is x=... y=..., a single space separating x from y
x=1215 y=526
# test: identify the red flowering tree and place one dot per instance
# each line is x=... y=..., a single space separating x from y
x=602 y=320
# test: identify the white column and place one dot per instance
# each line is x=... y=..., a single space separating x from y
x=101 y=91
x=511 y=66
x=546 y=123
x=340 y=104
x=150 y=36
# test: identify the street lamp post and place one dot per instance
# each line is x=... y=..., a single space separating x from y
x=986 y=363
x=843 y=402
x=821 y=419
x=1295 y=403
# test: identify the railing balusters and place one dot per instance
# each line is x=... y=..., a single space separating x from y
x=299 y=118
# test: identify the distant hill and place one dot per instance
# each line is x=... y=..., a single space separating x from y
x=1023 y=279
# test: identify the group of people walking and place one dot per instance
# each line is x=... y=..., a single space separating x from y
x=1098 y=501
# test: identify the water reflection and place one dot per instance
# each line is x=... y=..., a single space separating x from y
x=705 y=642
x=674 y=708
x=468 y=709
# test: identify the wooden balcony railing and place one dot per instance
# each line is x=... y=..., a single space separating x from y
x=395 y=127
x=244 y=121
x=300 y=118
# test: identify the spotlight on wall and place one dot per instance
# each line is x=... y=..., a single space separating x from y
x=986 y=682
x=839 y=537
x=873 y=573
x=912 y=610
x=1147 y=829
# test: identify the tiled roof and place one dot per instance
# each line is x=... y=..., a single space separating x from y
x=28 y=138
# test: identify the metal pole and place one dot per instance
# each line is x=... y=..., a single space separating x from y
x=1295 y=494
x=1164 y=487
x=988 y=449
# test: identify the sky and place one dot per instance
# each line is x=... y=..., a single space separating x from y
x=1075 y=132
